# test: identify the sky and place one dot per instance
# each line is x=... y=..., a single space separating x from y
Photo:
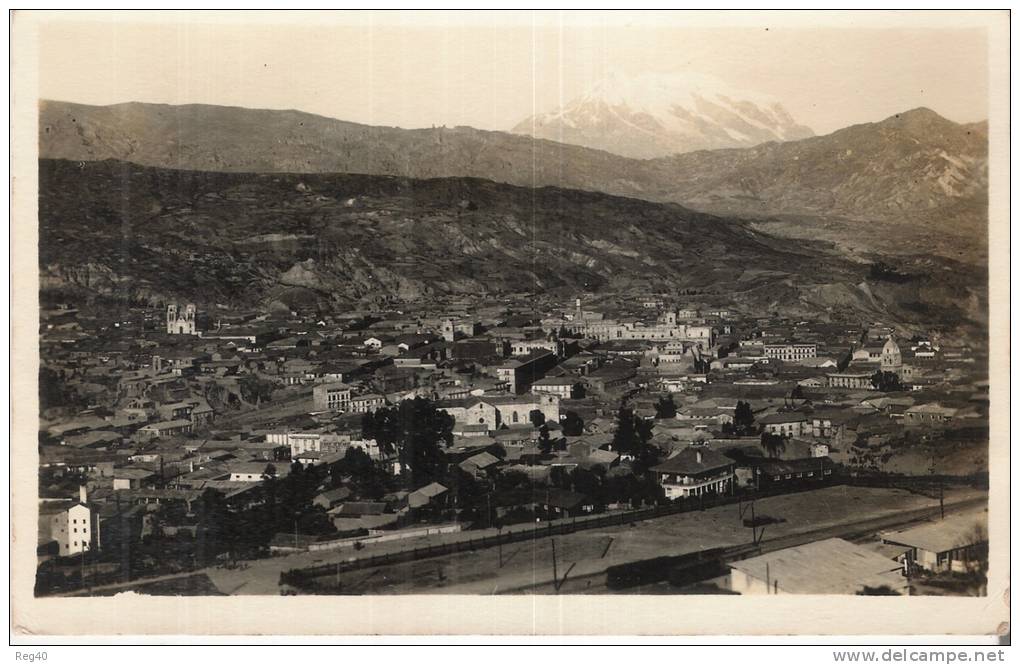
x=491 y=71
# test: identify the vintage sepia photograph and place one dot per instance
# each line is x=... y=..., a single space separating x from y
x=657 y=307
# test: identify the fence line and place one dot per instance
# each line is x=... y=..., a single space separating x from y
x=302 y=576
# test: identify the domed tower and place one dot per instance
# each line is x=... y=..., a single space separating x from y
x=892 y=360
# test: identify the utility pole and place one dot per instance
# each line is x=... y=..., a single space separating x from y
x=556 y=576
x=499 y=544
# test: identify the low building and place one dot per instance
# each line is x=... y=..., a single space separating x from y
x=958 y=543
x=928 y=414
x=563 y=387
x=790 y=351
x=249 y=472
x=479 y=464
x=851 y=381
x=166 y=429
x=695 y=471
x=366 y=403
x=832 y=566
x=794 y=472
x=332 y=498
x=789 y=424
x=432 y=494
x=131 y=479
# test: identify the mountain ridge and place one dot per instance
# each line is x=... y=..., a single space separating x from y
x=921 y=175
x=656 y=115
x=116 y=231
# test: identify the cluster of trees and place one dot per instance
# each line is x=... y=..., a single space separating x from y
x=56 y=391
x=774 y=445
x=572 y=424
x=357 y=470
x=743 y=421
x=255 y=390
x=632 y=437
x=416 y=431
x=544 y=439
x=665 y=407
x=607 y=489
x=887 y=382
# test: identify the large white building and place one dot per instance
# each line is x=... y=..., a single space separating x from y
x=497 y=410
x=180 y=321
x=790 y=351
x=71 y=524
x=332 y=397
x=667 y=327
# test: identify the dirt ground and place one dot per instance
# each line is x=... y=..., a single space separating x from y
x=582 y=557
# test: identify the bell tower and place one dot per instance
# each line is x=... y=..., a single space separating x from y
x=171 y=317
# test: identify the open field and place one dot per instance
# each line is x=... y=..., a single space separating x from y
x=581 y=558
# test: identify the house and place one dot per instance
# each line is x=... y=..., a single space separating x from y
x=832 y=566
x=868 y=354
x=778 y=472
x=357 y=509
x=563 y=387
x=375 y=342
x=165 y=429
x=423 y=496
x=175 y=411
x=829 y=424
x=131 y=478
x=366 y=403
x=929 y=414
x=97 y=440
x=957 y=543
x=332 y=498
x=610 y=377
x=302 y=442
x=695 y=471
x=413 y=341
x=480 y=463
x=788 y=424
x=544 y=503
x=558 y=503
x=248 y=472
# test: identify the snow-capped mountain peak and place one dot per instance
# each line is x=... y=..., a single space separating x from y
x=651 y=115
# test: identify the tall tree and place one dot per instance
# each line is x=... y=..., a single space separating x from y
x=665 y=407
x=743 y=419
x=887 y=382
x=774 y=445
x=632 y=432
x=572 y=424
x=416 y=431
